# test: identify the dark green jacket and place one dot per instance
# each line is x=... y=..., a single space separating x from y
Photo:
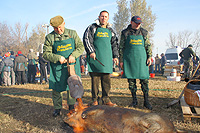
x=53 y=36
x=130 y=31
x=187 y=53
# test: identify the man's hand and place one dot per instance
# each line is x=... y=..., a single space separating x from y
x=149 y=61
x=72 y=59
x=116 y=61
x=62 y=60
x=121 y=65
x=93 y=56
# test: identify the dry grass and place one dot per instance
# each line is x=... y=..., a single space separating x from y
x=28 y=108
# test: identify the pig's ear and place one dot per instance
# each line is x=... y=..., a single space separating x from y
x=95 y=113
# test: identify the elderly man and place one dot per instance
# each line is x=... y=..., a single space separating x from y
x=60 y=44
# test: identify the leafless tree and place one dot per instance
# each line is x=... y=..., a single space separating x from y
x=19 y=33
x=5 y=37
x=196 y=41
x=37 y=38
x=171 y=43
x=183 y=39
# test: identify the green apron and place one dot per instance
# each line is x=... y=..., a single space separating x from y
x=135 y=58
x=102 y=45
x=59 y=72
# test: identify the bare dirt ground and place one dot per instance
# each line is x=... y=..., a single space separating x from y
x=28 y=108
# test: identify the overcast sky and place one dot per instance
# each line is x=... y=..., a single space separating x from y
x=172 y=15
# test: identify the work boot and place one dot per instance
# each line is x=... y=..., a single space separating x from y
x=134 y=103
x=146 y=102
x=56 y=112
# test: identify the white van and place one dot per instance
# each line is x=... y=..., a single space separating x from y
x=172 y=55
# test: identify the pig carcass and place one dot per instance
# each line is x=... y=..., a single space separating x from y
x=106 y=119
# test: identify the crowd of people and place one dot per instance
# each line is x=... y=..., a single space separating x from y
x=159 y=63
x=20 y=69
x=189 y=60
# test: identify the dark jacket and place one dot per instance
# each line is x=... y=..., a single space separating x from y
x=6 y=65
x=130 y=31
x=42 y=61
x=187 y=53
x=163 y=60
x=20 y=63
x=88 y=39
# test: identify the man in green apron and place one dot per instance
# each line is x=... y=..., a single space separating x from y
x=100 y=43
x=60 y=44
x=135 y=57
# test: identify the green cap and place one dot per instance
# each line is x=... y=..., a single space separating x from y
x=56 y=21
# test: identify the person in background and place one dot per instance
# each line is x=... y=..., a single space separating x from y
x=187 y=54
x=82 y=63
x=61 y=44
x=1 y=58
x=20 y=68
x=151 y=67
x=100 y=43
x=12 y=71
x=5 y=68
x=43 y=70
x=163 y=62
x=135 y=57
x=195 y=65
x=32 y=57
x=157 y=63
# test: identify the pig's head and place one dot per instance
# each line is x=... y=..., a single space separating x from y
x=74 y=117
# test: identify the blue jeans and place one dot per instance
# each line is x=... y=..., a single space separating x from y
x=157 y=67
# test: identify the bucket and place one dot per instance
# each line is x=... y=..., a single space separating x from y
x=152 y=75
x=173 y=72
x=122 y=72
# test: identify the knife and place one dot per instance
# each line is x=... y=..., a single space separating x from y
x=99 y=62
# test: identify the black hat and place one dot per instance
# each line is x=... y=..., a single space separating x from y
x=190 y=45
x=136 y=19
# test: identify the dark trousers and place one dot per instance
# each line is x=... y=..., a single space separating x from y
x=144 y=85
x=43 y=74
x=105 y=84
x=31 y=73
x=21 y=77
